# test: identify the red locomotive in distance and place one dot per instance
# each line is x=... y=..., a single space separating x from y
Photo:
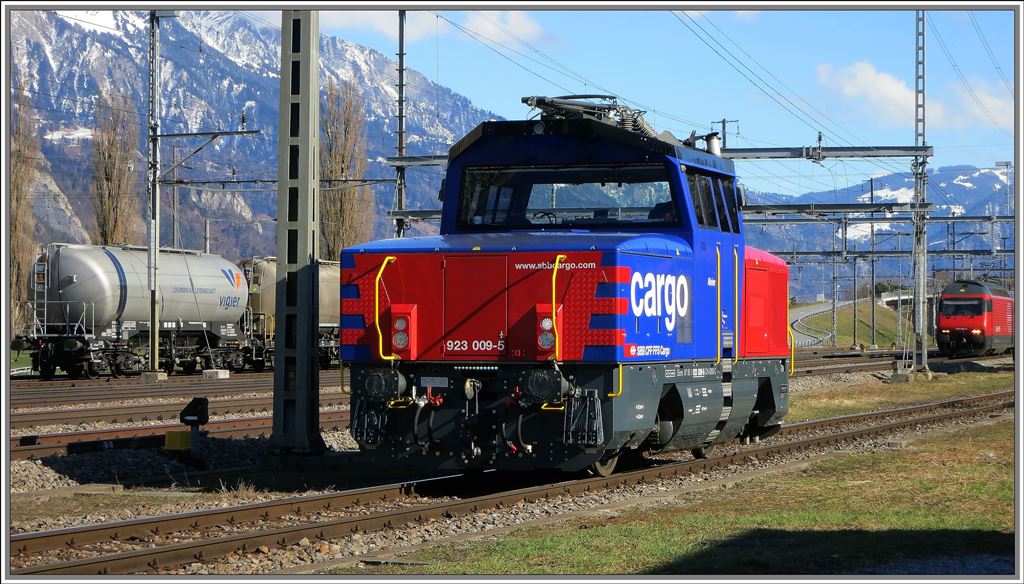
x=975 y=318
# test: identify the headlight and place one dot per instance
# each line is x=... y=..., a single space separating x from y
x=975 y=331
x=401 y=323
x=546 y=341
x=547 y=324
x=400 y=340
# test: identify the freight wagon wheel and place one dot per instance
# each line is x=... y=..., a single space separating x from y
x=46 y=367
x=75 y=371
x=325 y=362
x=703 y=451
x=169 y=367
x=47 y=370
x=189 y=367
x=604 y=467
x=89 y=371
x=259 y=365
x=116 y=371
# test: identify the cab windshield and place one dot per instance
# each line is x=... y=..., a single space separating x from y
x=961 y=307
x=566 y=197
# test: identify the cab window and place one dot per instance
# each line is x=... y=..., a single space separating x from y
x=732 y=209
x=723 y=215
x=703 y=200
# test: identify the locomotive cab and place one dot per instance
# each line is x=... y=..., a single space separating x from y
x=974 y=318
x=584 y=299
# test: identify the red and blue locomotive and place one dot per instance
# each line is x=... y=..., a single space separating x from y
x=590 y=296
x=975 y=318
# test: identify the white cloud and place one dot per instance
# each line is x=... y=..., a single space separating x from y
x=418 y=24
x=494 y=25
x=889 y=101
x=747 y=15
x=994 y=99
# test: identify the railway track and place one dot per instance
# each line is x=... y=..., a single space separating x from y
x=324 y=517
x=40 y=445
x=26 y=391
x=151 y=412
x=23 y=447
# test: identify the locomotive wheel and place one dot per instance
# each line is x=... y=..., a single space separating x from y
x=703 y=451
x=604 y=467
x=188 y=367
x=89 y=371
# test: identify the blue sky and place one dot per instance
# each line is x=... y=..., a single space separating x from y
x=854 y=69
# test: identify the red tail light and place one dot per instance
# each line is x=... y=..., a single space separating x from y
x=548 y=329
x=403 y=330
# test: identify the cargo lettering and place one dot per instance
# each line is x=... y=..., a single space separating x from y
x=228 y=302
x=662 y=295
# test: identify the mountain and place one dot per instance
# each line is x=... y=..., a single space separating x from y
x=217 y=65
x=952 y=190
x=214 y=67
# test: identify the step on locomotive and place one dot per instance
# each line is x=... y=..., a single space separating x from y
x=590 y=297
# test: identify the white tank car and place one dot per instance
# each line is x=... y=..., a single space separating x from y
x=91 y=310
x=193 y=286
x=261 y=273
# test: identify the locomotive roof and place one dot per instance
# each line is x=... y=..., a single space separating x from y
x=976 y=287
x=589 y=128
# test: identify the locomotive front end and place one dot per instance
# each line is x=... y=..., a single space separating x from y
x=579 y=306
x=486 y=356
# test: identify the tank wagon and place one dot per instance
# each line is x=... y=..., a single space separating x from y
x=90 y=310
x=590 y=297
x=974 y=318
x=261 y=274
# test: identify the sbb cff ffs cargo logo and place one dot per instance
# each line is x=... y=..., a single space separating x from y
x=664 y=296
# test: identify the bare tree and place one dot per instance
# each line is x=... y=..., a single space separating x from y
x=114 y=145
x=25 y=158
x=346 y=206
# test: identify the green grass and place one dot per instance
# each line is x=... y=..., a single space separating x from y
x=951 y=494
x=22 y=359
x=885 y=320
x=850 y=399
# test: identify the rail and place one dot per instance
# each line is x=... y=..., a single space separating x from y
x=317 y=520
x=804 y=328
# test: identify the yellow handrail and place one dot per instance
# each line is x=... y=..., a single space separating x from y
x=619 y=392
x=553 y=407
x=718 y=302
x=554 y=313
x=792 y=341
x=376 y=309
x=792 y=350
x=735 y=305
